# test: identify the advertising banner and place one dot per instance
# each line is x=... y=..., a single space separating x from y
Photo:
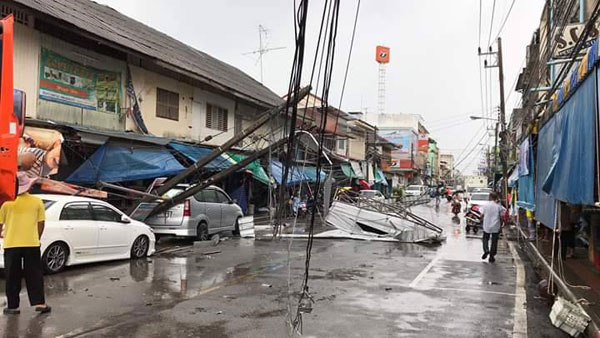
x=39 y=152
x=406 y=139
x=423 y=143
x=71 y=83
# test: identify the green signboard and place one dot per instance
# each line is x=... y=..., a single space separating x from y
x=72 y=83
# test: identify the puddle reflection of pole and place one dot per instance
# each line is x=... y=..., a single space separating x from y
x=183 y=278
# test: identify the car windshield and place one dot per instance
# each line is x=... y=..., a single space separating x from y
x=480 y=197
x=413 y=188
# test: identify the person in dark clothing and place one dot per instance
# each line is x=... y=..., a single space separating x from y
x=569 y=221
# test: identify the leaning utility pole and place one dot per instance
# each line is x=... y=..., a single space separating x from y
x=503 y=145
x=502 y=117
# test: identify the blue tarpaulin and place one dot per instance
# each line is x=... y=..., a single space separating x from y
x=572 y=175
x=310 y=173
x=526 y=196
x=114 y=162
x=295 y=176
x=545 y=204
x=196 y=153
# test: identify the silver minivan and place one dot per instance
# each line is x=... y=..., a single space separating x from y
x=208 y=212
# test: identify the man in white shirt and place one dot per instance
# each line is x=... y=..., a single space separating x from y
x=492 y=215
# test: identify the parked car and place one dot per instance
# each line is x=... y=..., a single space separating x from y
x=82 y=230
x=208 y=212
x=415 y=190
x=374 y=194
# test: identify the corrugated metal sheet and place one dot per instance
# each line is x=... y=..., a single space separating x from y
x=106 y=23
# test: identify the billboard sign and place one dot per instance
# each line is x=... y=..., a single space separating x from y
x=71 y=83
x=382 y=54
x=423 y=143
x=566 y=39
x=406 y=139
x=39 y=152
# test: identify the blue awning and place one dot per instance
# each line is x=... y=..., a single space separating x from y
x=545 y=204
x=196 y=153
x=116 y=162
x=572 y=175
x=526 y=196
x=310 y=173
x=295 y=176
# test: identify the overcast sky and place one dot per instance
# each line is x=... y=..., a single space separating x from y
x=434 y=68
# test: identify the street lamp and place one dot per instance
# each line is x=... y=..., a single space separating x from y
x=482 y=118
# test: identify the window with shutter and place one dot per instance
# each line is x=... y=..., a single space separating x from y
x=167 y=104
x=216 y=117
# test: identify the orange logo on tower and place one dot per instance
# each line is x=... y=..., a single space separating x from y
x=382 y=54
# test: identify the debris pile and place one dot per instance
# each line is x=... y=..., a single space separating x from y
x=366 y=217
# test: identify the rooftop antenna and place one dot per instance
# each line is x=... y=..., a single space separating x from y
x=262 y=48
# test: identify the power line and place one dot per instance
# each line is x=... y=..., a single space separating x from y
x=491 y=24
x=505 y=19
x=471 y=140
x=479 y=40
x=349 y=56
x=456 y=164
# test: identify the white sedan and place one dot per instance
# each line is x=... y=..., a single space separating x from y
x=83 y=230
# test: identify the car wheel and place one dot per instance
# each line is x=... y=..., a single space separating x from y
x=236 y=229
x=202 y=232
x=55 y=257
x=140 y=247
x=475 y=229
x=467 y=229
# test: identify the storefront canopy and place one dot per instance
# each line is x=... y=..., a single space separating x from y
x=310 y=173
x=117 y=162
x=196 y=153
x=257 y=170
x=545 y=204
x=295 y=176
x=347 y=170
x=380 y=177
x=572 y=175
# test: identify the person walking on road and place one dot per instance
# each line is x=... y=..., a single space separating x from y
x=23 y=223
x=492 y=215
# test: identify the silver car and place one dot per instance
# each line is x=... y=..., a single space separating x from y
x=208 y=212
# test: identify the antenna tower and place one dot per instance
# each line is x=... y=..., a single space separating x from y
x=382 y=56
x=262 y=48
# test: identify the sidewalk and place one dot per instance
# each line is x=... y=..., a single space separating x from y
x=582 y=279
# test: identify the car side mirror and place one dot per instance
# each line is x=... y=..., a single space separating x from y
x=125 y=219
x=234 y=201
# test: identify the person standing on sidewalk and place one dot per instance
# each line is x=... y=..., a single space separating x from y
x=492 y=215
x=23 y=223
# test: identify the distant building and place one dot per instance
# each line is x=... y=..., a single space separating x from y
x=408 y=132
x=446 y=167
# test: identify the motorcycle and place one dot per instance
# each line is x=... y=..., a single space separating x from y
x=473 y=218
x=456 y=208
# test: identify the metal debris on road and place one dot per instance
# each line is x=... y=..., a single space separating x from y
x=373 y=218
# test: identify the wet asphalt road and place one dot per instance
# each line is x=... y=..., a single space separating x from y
x=360 y=289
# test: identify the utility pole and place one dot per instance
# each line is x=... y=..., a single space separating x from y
x=504 y=145
x=502 y=117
